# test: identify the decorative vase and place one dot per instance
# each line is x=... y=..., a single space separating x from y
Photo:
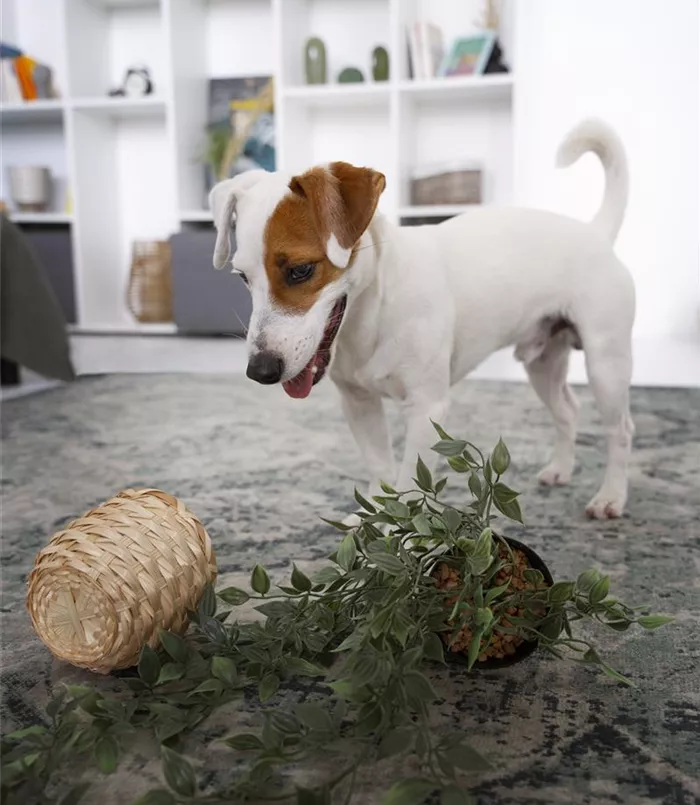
x=315 y=61
x=380 y=64
x=350 y=75
x=30 y=187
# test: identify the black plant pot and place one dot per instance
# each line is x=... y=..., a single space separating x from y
x=526 y=647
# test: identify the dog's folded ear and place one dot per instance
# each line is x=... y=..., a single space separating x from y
x=342 y=199
x=222 y=202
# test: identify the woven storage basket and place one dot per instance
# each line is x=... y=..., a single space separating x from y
x=107 y=583
x=150 y=294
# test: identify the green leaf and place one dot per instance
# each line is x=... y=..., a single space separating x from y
x=511 y=508
x=314 y=717
x=418 y=687
x=433 y=648
x=347 y=552
x=494 y=593
x=475 y=485
x=440 y=431
x=388 y=563
x=422 y=525
x=366 y=505
x=326 y=575
x=75 y=795
x=174 y=645
x=440 y=485
x=396 y=742
x=423 y=476
x=178 y=773
x=149 y=665
x=459 y=464
x=245 y=742
x=302 y=667
x=474 y=650
x=449 y=448
x=106 y=754
x=653 y=621
x=259 y=580
x=369 y=718
x=158 y=796
x=234 y=596
x=300 y=582
x=484 y=543
x=500 y=458
x=453 y=519
x=224 y=669
x=36 y=729
x=269 y=685
x=389 y=490
x=408 y=792
x=587 y=579
x=207 y=603
x=209 y=686
x=560 y=592
x=170 y=672
x=453 y=795
x=396 y=508
x=467 y=759
x=338 y=526
x=599 y=590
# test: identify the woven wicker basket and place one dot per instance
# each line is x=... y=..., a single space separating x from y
x=107 y=583
x=150 y=293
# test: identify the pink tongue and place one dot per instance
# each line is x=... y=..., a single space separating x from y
x=300 y=386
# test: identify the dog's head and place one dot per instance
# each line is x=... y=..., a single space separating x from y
x=295 y=244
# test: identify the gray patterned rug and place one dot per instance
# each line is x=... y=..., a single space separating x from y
x=259 y=470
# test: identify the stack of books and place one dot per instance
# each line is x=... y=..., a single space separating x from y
x=23 y=78
x=426 y=50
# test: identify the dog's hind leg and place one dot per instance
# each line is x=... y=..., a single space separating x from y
x=609 y=366
x=547 y=373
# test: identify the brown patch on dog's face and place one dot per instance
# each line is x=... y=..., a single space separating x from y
x=318 y=225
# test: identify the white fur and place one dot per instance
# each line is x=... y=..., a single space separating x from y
x=339 y=256
x=427 y=304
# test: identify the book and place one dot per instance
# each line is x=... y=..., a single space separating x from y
x=9 y=86
x=426 y=50
x=240 y=127
x=24 y=67
x=468 y=55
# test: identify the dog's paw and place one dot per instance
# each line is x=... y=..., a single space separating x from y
x=555 y=474
x=606 y=505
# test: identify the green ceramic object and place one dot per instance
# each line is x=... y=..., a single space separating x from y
x=315 y=61
x=380 y=64
x=350 y=75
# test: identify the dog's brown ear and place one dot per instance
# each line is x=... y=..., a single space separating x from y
x=343 y=200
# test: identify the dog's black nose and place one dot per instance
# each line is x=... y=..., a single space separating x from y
x=265 y=368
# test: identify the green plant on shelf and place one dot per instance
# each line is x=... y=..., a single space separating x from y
x=414 y=585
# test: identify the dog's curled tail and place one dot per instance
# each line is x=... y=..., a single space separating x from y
x=596 y=136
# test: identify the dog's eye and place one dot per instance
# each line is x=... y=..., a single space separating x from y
x=242 y=276
x=296 y=274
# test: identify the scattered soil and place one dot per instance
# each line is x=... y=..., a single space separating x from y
x=500 y=645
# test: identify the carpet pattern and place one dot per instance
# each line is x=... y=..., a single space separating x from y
x=259 y=470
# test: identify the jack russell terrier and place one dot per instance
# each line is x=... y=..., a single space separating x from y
x=403 y=313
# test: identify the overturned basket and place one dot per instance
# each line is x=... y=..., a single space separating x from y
x=107 y=583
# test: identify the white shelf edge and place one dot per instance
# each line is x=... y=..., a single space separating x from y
x=459 y=85
x=118 y=106
x=433 y=210
x=50 y=110
x=194 y=216
x=40 y=217
x=335 y=94
x=165 y=328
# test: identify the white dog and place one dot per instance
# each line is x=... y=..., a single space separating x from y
x=403 y=313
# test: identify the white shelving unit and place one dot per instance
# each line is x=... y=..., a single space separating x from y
x=133 y=166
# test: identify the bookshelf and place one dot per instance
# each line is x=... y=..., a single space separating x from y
x=133 y=166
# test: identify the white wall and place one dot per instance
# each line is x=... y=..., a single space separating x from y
x=635 y=64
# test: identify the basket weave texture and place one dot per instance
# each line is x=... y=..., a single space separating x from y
x=107 y=583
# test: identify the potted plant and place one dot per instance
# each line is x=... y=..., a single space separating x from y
x=416 y=584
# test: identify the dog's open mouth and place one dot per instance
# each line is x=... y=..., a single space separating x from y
x=300 y=386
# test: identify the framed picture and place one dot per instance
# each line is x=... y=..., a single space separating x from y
x=469 y=55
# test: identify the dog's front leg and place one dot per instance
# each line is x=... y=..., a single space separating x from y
x=365 y=415
x=420 y=436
